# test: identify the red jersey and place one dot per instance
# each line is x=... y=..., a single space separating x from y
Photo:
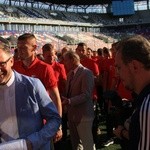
x=38 y=69
x=90 y=64
x=121 y=90
x=108 y=66
x=99 y=62
x=95 y=58
x=60 y=74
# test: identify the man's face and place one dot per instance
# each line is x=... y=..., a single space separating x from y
x=49 y=56
x=81 y=51
x=6 y=62
x=89 y=53
x=125 y=72
x=68 y=63
x=26 y=48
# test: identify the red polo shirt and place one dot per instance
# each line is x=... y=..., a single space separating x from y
x=60 y=74
x=40 y=70
x=90 y=64
x=109 y=67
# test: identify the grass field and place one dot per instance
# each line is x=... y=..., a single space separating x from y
x=102 y=138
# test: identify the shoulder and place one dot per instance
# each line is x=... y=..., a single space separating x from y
x=146 y=101
x=23 y=79
x=43 y=66
x=40 y=63
x=86 y=70
x=17 y=64
x=58 y=65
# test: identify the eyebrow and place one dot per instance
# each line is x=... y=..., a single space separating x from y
x=6 y=60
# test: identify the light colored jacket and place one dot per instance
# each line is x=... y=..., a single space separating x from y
x=33 y=104
x=81 y=107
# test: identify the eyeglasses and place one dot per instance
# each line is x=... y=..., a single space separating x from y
x=3 y=64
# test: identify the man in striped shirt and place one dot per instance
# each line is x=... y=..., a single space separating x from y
x=133 y=65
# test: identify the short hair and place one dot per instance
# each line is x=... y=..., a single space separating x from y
x=99 y=51
x=135 y=48
x=6 y=49
x=26 y=36
x=82 y=44
x=72 y=55
x=106 y=50
x=47 y=47
x=89 y=49
x=64 y=49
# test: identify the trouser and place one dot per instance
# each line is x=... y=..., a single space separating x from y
x=81 y=135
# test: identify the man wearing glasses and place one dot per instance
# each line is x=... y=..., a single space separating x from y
x=24 y=103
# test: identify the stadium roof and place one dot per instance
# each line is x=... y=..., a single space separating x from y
x=77 y=2
x=80 y=2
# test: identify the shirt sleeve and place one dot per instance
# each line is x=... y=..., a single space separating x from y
x=49 y=80
x=48 y=112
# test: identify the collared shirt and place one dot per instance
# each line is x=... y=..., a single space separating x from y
x=40 y=70
x=76 y=69
x=74 y=72
x=90 y=64
x=60 y=74
x=8 y=120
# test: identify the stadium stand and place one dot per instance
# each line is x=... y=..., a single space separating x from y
x=53 y=25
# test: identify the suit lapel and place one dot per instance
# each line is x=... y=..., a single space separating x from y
x=21 y=96
x=77 y=74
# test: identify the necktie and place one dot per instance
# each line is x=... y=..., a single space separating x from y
x=69 y=85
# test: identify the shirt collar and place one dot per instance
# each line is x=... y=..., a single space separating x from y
x=32 y=63
x=11 y=80
x=76 y=69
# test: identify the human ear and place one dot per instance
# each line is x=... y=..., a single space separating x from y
x=136 y=66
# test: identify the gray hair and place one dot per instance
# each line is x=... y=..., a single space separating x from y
x=72 y=55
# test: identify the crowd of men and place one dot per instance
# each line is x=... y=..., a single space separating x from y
x=44 y=95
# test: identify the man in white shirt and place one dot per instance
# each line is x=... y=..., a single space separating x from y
x=24 y=103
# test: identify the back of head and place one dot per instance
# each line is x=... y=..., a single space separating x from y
x=64 y=50
x=100 y=51
x=135 y=48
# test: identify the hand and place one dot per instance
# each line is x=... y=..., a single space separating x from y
x=117 y=131
x=29 y=145
x=58 y=136
x=65 y=100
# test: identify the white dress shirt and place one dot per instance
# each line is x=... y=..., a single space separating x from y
x=8 y=120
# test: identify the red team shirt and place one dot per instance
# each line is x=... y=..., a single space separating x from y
x=40 y=70
x=109 y=66
x=60 y=74
x=90 y=64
